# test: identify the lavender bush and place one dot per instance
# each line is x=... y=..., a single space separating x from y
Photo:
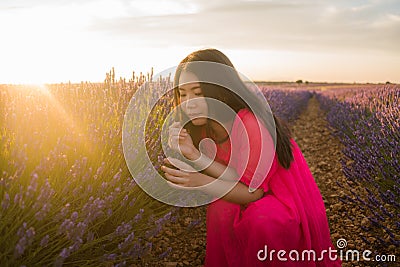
x=286 y=103
x=367 y=122
x=66 y=195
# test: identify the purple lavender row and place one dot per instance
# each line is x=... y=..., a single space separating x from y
x=366 y=121
x=66 y=195
x=287 y=103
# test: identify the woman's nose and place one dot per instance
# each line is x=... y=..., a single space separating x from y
x=190 y=103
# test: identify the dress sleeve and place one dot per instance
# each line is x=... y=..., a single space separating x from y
x=253 y=151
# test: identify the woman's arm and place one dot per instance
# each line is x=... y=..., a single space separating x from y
x=239 y=193
x=212 y=167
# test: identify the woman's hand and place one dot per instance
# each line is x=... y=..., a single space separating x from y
x=185 y=177
x=180 y=140
x=188 y=180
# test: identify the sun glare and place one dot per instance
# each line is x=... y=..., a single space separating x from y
x=45 y=99
x=42 y=88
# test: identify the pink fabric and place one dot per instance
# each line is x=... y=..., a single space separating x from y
x=290 y=216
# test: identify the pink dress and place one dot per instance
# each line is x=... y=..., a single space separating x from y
x=290 y=217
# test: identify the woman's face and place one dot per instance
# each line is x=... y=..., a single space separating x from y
x=192 y=99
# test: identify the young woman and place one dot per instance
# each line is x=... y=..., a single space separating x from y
x=282 y=222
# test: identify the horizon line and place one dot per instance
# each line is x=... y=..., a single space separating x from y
x=298 y=82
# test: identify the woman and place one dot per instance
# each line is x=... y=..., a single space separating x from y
x=279 y=222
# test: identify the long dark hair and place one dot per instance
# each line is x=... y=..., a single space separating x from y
x=231 y=79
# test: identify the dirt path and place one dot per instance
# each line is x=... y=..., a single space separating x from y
x=322 y=152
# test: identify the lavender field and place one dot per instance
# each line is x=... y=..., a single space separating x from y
x=68 y=198
x=366 y=120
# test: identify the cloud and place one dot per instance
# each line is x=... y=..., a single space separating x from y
x=292 y=25
x=305 y=25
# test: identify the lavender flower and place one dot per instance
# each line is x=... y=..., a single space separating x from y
x=45 y=240
x=6 y=201
x=165 y=253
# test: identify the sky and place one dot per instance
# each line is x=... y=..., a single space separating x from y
x=51 y=41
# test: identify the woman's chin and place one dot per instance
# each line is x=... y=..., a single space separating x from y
x=199 y=121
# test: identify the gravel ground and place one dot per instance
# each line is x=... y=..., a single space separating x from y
x=323 y=153
x=187 y=237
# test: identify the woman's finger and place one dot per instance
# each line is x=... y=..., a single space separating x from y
x=174 y=138
x=173 y=133
x=166 y=161
x=177 y=132
x=170 y=163
x=176 y=135
x=183 y=134
x=175 y=180
x=173 y=142
x=174 y=172
x=176 y=127
x=181 y=165
x=174 y=130
x=181 y=187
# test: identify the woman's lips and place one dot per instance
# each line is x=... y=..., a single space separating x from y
x=194 y=115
